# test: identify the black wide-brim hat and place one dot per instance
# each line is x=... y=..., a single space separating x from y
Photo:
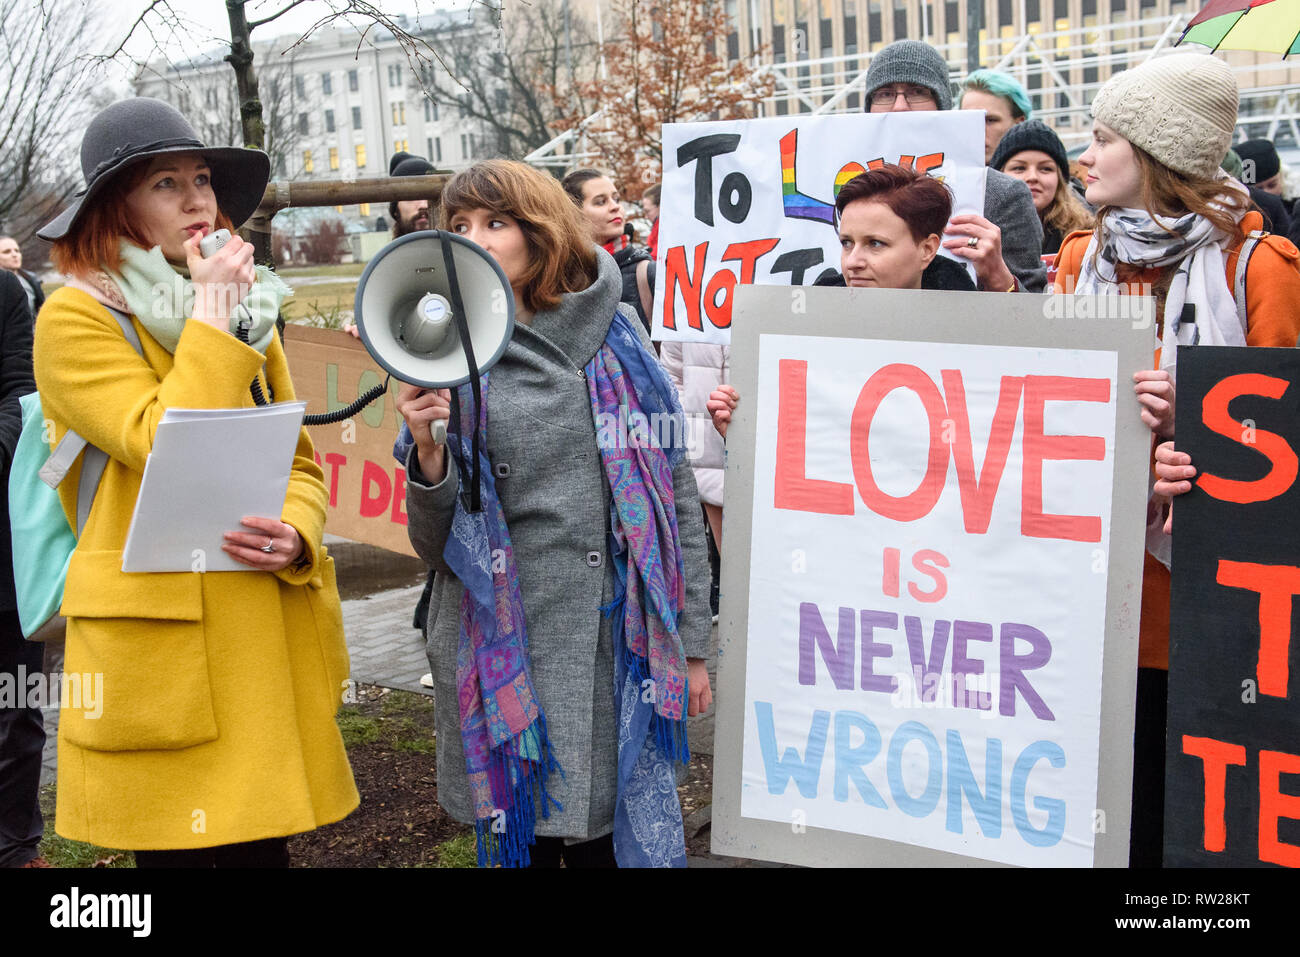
x=134 y=130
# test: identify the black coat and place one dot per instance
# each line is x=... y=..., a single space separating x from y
x=37 y=294
x=1276 y=218
x=15 y=381
x=942 y=273
x=627 y=259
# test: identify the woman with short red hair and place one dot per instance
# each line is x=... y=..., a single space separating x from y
x=891 y=221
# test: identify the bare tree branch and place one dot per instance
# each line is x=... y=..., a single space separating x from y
x=275 y=16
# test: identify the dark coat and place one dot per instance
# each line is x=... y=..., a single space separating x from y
x=36 y=295
x=15 y=381
x=556 y=501
x=1276 y=218
x=942 y=273
x=627 y=259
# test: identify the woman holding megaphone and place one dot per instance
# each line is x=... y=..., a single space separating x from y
x=570 y=620
x=214 y=737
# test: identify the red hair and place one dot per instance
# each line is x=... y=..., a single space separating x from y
x=93 y=242
x=920 y=201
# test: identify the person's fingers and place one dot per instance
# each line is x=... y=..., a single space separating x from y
x=1169 y=520
x=1152 y=375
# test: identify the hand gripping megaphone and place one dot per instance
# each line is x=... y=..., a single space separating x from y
x=435 y=311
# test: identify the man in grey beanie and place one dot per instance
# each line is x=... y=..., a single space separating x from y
x=1005 y=244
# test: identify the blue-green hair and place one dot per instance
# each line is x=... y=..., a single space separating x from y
x=1003 y=85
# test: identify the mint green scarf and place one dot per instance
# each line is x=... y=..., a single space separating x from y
x=162 y=297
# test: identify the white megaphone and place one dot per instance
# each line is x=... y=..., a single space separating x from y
x=434 y=310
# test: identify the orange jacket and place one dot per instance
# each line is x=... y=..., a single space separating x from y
x=1272 y=319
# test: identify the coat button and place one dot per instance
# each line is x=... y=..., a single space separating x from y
x=595 y=559
x=501 y=469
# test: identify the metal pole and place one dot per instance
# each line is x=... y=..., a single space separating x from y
x=974 y=23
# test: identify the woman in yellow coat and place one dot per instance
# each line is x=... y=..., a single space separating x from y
x=214 y=736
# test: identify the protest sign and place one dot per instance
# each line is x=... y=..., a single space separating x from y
x=752 y=201
x=931 y=576
x=367 y=487
x=1233 y=743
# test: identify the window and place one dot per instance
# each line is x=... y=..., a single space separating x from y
x=394 y=74
x=329 y=121
x=353 y=85
x=399 y=113
x=300 y=87
x=210 y=97
x=437 y=149
x=464 y=146
x=463 y=103
x=503 y=100
x=356 y=117
x=364 y=209
x=428 y=113
x=302 y=123
x=428 y=147
x=334 y=157
x=900 y=19
x=435 y=112
x=326 y=84
x=361 y=155
x=400 y=146
x=307 y=166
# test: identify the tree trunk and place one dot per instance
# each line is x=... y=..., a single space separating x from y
x=258 y=229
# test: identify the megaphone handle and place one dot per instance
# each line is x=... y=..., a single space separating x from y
x=439 y=429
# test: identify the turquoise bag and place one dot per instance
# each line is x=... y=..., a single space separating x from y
x=43 y=541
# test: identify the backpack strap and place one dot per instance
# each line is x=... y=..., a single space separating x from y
x=1239 y=279
x=72 y=445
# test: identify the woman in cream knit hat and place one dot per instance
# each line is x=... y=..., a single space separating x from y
x=1170 y=224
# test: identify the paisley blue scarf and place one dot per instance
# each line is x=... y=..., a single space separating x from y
x=503 y=727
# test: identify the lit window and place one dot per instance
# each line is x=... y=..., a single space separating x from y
x=334 y=157
x=364 y=209
x=361 y=155
x=306 y=161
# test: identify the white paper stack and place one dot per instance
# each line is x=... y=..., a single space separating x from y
x=208 y=469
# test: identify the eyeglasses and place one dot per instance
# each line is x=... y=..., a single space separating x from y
x=915 y=95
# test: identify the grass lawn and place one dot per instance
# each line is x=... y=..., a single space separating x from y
x=390 y=741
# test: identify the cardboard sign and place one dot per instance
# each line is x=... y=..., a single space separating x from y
x=367 y=488
x=933 y=540
x=1233 y=758
x=753 y=201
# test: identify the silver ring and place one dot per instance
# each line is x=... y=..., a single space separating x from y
x=973 y=242
x=269 y=547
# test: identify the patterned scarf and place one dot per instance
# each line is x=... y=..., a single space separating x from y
x=503 y=728
x=1135 y=238
x=1197 y=247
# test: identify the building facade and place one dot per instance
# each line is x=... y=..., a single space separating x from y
x=1062 y=51
x=334 y=108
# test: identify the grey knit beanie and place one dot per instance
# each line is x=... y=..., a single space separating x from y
x=1181 y=109
x=910 y=61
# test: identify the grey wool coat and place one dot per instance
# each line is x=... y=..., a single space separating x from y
x=1009 y=205
x=556 y=501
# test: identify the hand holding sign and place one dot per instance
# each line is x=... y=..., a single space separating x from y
x=978 y=241
x=722 y=402
x=1174 y=473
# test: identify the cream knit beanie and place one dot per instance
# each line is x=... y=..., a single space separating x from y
x=1181 y=109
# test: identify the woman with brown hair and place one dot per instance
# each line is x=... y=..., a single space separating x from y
x=597 y=197
x=569 y=622
x=1172 y=225
x=1033 y=153
x=214 y=738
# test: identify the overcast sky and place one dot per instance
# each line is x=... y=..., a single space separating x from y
x=205 y=22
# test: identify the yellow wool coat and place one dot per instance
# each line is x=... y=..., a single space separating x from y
x=219 y=689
